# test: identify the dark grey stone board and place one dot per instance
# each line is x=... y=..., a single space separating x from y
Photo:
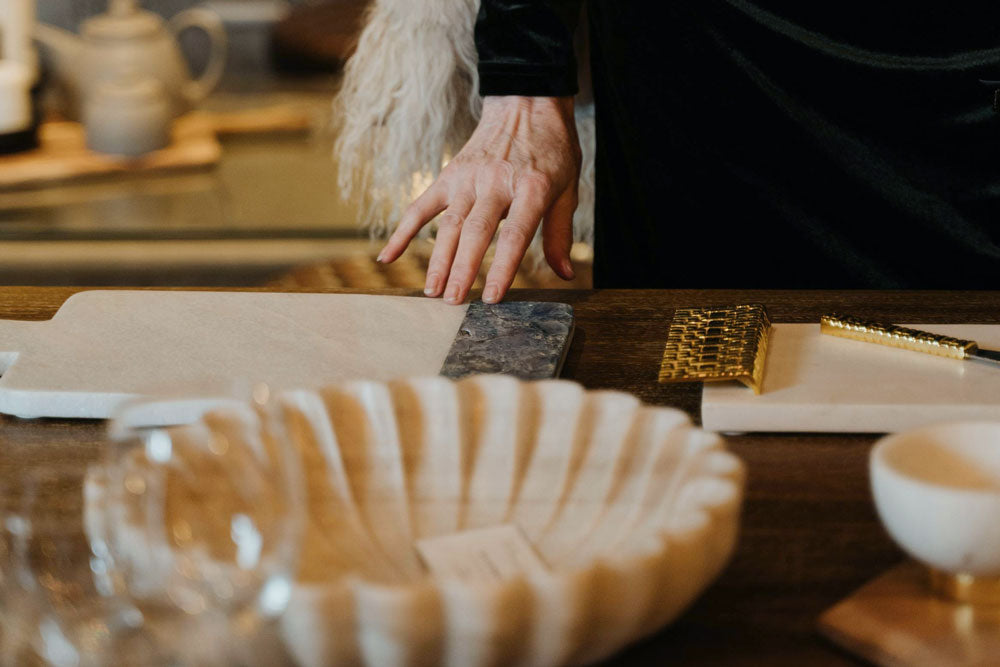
x=526 y=339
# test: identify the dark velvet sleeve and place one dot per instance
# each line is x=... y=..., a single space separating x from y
x=526 y=47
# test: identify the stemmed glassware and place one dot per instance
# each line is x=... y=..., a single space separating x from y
x=178 y=548
x=201 y=523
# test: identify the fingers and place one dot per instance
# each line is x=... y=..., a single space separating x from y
x=514 y=238
x=445 y=244
x=477 y=233
x=416 y=215
x=557 y=234
x=473 y=206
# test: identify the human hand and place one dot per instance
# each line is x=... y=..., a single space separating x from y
x=521 y=165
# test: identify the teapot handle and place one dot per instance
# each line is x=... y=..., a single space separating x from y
x=208 y=21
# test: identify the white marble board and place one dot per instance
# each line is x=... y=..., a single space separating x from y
x=104 y=347
x=819 y=383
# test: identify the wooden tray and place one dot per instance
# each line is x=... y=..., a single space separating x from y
x=63 y=154
x=895 y=619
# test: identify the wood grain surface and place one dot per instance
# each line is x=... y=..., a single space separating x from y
x=810 y=535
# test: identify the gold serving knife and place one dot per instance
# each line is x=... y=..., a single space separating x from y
x=855 y=328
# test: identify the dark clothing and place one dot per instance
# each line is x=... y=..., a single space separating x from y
x=780 y=143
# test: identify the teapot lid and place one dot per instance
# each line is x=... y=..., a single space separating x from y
x=123 y=20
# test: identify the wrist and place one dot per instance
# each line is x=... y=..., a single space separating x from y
x=506 y=104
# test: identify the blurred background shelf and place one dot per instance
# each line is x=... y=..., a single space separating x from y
x=268 y=204
x=267 y=212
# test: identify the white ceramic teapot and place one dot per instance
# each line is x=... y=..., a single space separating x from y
x=127 y=38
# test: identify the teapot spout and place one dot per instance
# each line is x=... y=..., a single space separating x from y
x=61 y=51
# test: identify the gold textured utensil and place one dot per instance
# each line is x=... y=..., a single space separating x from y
x=855 y=328
x=710 y=344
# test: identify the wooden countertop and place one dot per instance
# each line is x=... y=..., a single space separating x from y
x=810 y=535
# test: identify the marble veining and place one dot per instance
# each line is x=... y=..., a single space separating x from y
x=526 y=339
x=819 y=383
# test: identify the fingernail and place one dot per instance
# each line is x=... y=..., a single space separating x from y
x=452 y=295
x=433 y=284
x=491 y=294
x=568 y=271
x=380 y=258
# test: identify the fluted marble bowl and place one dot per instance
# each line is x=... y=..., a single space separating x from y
x=633 y=510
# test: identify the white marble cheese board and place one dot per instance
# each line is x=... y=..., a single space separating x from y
x=819 y=383
x=104 y=347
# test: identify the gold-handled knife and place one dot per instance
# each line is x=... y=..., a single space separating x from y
x=855 y=328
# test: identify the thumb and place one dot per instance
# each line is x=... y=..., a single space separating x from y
x=557 y=234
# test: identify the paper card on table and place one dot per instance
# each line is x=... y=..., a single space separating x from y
x=482 y=555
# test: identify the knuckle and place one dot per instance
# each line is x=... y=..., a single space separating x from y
x=501 y=169
x=454 y=168
x=461 y=272
x=440 y=267
x=454 y=178
x=514 y=234
x=449 y=220
x=536 y=182
x=498 y=174
x=575 y=150
x=478 y=225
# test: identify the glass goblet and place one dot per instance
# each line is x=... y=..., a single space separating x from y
x=201 y=522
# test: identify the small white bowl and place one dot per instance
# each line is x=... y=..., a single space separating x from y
x=937 y=491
